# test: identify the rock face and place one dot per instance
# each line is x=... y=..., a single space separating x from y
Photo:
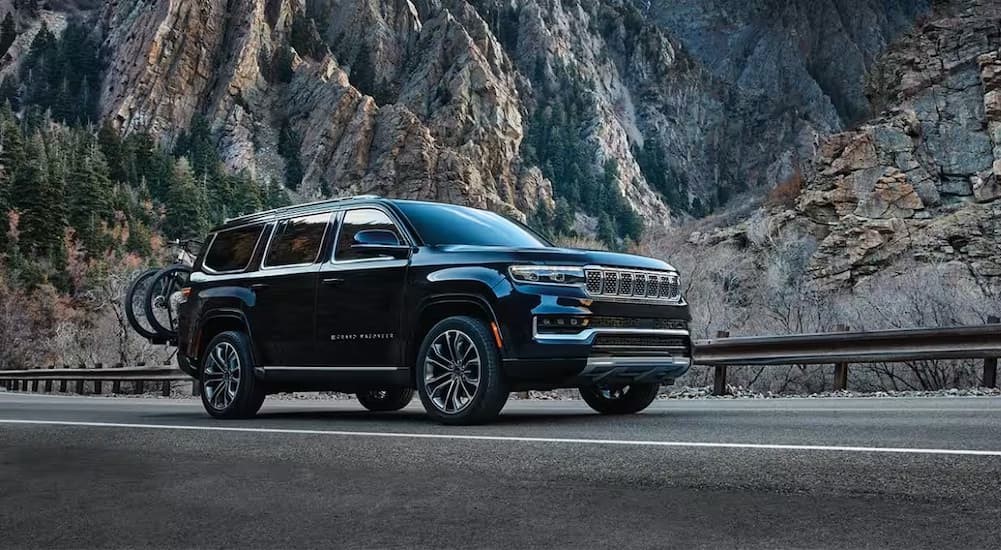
x=674 y=105
x=411 y=99
x=452 y=135
x=806 y=55
x=797 y=68
x=920 y=181
x=908 y=182
x=437 y=98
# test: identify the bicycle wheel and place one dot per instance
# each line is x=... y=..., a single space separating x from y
x=162 y=299
x=135 y=303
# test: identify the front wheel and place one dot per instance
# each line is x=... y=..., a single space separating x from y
x=459 y=372
x=620 y=399
x=386 y=400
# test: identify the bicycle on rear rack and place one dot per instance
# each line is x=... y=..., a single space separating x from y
x=152 y=299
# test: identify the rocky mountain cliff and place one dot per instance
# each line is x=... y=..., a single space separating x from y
x=599 y=117
x=918 y=184
x=609 y=115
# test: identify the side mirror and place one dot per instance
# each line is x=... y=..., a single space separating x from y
x=379 y=242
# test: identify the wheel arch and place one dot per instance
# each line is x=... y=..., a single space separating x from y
x=220 y=321
x=436 y=309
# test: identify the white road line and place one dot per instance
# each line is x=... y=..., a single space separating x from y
x=516 y=439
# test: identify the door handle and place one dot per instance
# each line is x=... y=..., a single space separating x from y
x=333 y=281
x=259 y=286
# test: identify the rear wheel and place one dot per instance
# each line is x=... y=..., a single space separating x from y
x=620 y=399
x=135 y=303
x=392 y=399
x=458 y=373
x=229 y=389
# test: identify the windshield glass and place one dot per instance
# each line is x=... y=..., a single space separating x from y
x=441 y=224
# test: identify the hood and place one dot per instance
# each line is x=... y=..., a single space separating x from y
x=561 y=256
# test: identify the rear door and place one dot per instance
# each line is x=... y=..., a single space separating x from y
x=284 y=291
x=360 y=297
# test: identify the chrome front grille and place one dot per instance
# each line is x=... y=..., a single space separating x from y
x=630 y=284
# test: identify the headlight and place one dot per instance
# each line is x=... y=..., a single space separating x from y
x=547 y=274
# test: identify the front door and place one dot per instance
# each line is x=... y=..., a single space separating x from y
x=359 y=302
x=285 y=292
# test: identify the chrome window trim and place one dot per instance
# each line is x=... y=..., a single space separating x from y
x=208 y=269
x=587 y=335
x=274 y=230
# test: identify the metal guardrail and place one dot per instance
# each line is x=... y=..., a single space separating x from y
x=837 y=348
x=138 y=376
x=843 y=347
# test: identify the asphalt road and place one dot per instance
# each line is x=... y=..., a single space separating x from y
x=84 y=472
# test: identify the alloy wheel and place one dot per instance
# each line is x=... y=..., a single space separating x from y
x=452 y=371
x=222 y=375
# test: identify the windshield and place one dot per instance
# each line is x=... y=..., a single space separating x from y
x=441 y=224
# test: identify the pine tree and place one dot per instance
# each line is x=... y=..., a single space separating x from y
x=110 y=143
x=40 y=199
x=185 y=211
x=11 y=162
x=247 y=194
x=8 y=33
x=90 y=195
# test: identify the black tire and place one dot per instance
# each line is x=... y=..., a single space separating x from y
x=392 y=399
x=620 y=399
x=159 y=312
x=245 y=400
x=490 y=392
x=135 y=298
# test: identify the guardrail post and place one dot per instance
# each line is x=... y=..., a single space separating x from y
x=991 y=364
x=97 y=383
x=139 y=385
x=62 y=383
x=165 y=385
x=34 y=385
x=719 y=376
x=79 y=382
x=24 y=385
x=841 y=369
x=48 y=383
x=116 y=386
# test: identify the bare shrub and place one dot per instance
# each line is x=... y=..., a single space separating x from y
x=764 y=287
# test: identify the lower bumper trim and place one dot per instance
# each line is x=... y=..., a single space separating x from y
x=635 y=369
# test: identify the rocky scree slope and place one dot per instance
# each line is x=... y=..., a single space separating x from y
x=919 y=183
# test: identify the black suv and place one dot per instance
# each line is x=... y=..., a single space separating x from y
x=382 y=297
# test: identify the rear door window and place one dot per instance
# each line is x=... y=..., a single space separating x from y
x=232 y=250
x=297 y=241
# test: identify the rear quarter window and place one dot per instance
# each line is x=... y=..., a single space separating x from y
x=232 y=250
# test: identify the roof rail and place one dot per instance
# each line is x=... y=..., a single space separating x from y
x=300 y=205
